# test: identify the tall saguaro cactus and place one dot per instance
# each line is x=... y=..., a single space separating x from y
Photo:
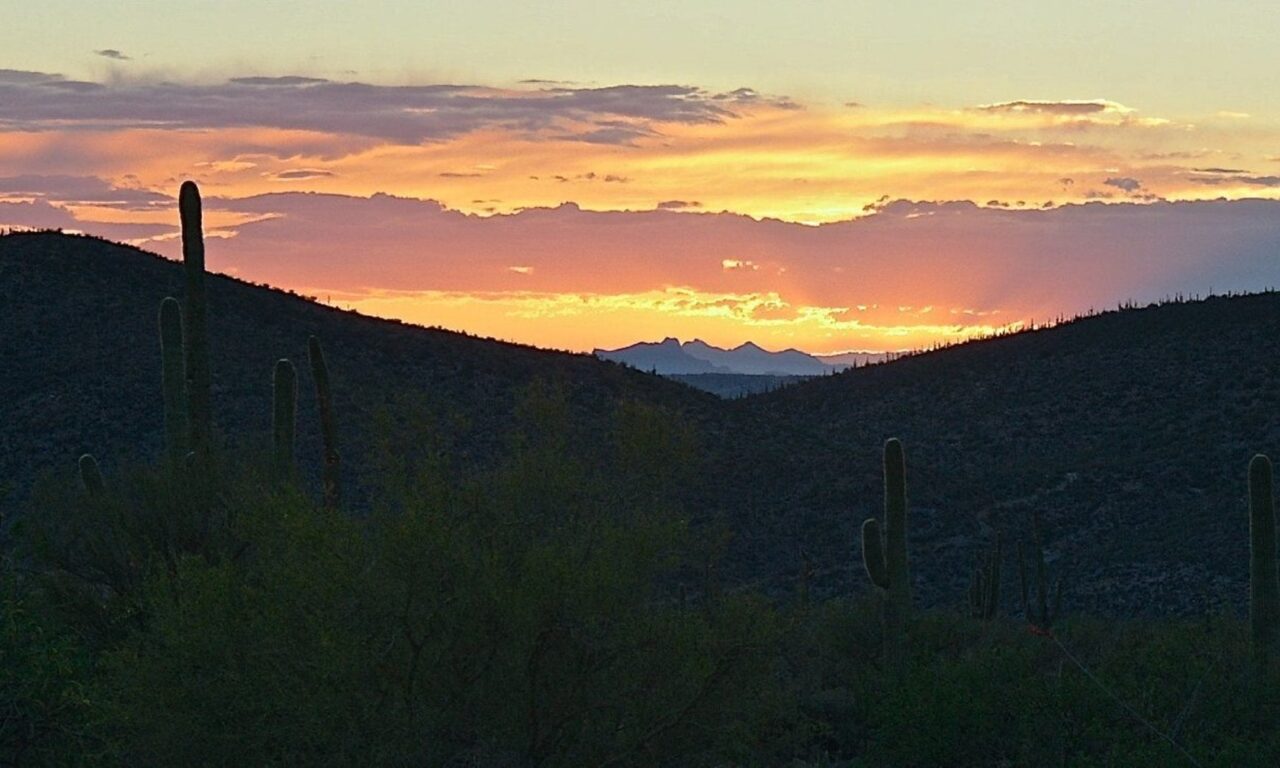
x=324 y=399
x=1264 y=587
x=1042 y=615
x=173 y=378
x=885 y=558
x=984 y=589
x=195 y=326
x=284 y=418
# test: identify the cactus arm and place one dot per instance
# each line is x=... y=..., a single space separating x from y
x=1042 y=586
x=873 y=553
x=1022 y=581
x=895 y=513
x=284 y=417
x=324 y=399
x=993 y=581
x=1057 y=604
x=1264 y=590
x=91 y=476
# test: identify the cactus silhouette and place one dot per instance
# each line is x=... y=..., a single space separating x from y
x=885 y=558
x=91 y=476
x=1264 y=589
x=284 y=417
x=1042 y=615
x=324 y=400
x=173 y=378
x=195 y=327
x=984 y=589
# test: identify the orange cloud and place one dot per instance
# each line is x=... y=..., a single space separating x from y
x=581 y=217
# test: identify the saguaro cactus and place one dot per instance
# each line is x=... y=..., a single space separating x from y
x=885 y=559
x=984 y=589
x=1264 y=587
x=91 y=476
x=324 y=399
x=173 y=378
x=284 y=417
x=195 y=326
x=1041 y=616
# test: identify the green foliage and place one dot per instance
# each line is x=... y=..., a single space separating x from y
x=524 y=616
x=195 y=320
x=1264 y=590
x=45 y=708
x=284 y=418
x=517 y=615
x=173 y=378
x=331 y=474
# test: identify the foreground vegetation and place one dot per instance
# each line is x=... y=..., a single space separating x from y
x=552 y=612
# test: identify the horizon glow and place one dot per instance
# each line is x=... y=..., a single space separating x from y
x=759 y=152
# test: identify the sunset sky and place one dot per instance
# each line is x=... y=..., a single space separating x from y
x=820 y=175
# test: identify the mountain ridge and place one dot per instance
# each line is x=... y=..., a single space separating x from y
x=673 y=357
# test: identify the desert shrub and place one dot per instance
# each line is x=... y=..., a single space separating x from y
x=45 y=710
x=520 y=615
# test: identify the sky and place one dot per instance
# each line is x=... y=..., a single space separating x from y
x=818 y=175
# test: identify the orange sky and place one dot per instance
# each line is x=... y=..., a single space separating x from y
x=711 y=169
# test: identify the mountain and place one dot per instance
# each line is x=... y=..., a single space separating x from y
x=665 y=357
x=670 y=357
x=1127 y=433
x=750 y=359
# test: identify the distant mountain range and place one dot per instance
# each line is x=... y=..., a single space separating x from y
x=670 y=357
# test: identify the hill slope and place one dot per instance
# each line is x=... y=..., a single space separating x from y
x=1128 y=433
x=81 y=364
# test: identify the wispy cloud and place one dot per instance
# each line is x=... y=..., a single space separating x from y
x=618 y=114
x=1086 y=107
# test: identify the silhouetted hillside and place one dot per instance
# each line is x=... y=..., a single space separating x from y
x=1128 y=433
x=81 y=366
x=731 y=385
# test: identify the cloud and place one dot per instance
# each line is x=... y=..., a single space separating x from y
x=1126 y=183
x=946 y=255
x=24 y=77
x=678 y=205
x=1067 y=107
x=82 y=190
x=411 y=114
x=41 y=214
x=284 y=81
x=1221 y=177
x=908 y=249
x=112 y=53
x=301 y=174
